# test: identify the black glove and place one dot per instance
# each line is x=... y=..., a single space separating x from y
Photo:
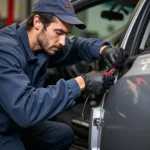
x=97 y=83
x=113 y=58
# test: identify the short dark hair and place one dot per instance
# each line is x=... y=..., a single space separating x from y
x=45 y=18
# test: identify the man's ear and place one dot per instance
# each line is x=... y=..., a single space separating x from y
x=37 y=22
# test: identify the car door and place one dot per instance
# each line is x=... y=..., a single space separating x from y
x=99 y=26
x=126 y=117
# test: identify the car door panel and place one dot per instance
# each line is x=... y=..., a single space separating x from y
x=126 y=117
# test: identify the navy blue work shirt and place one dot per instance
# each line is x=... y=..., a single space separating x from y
x=23 y=100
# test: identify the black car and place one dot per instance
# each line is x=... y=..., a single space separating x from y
x=118 y=120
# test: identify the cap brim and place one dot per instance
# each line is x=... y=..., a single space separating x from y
x=72 y=20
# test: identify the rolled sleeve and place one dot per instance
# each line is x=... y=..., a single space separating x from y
x=95 y=49
x=72 y=83
x=89 y=49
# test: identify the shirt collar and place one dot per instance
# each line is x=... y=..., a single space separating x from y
x=41 y=55
x=24 y=39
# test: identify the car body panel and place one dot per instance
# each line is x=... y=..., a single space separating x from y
x=127 y=110
x=127 y=104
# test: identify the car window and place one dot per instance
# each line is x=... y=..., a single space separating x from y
x=145 y=43
x=136 y=34
x=101 y=22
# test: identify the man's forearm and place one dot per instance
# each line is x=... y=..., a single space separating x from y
x=80 y=80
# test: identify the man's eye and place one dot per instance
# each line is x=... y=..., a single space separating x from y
x=59 y=33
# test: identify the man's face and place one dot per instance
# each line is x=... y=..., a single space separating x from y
x=53 y=37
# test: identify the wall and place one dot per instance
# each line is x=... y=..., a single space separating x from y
x=19 y=9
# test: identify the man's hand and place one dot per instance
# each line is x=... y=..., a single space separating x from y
x=113 y=58
x=97 y=83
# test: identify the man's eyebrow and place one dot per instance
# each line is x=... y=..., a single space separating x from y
x=63 y=31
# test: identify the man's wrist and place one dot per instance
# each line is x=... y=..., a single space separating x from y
x=81 y=82
x=102 y=48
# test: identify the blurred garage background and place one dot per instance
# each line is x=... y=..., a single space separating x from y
x=14 y=11
x=18 y=10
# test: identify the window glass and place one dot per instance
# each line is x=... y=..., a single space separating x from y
x=145 y=45
x=101 y=27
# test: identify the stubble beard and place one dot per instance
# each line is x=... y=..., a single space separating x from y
x=42 y=42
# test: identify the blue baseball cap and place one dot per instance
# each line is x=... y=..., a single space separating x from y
x=62 y=9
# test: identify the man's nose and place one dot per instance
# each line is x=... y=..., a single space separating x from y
x=62 y=40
